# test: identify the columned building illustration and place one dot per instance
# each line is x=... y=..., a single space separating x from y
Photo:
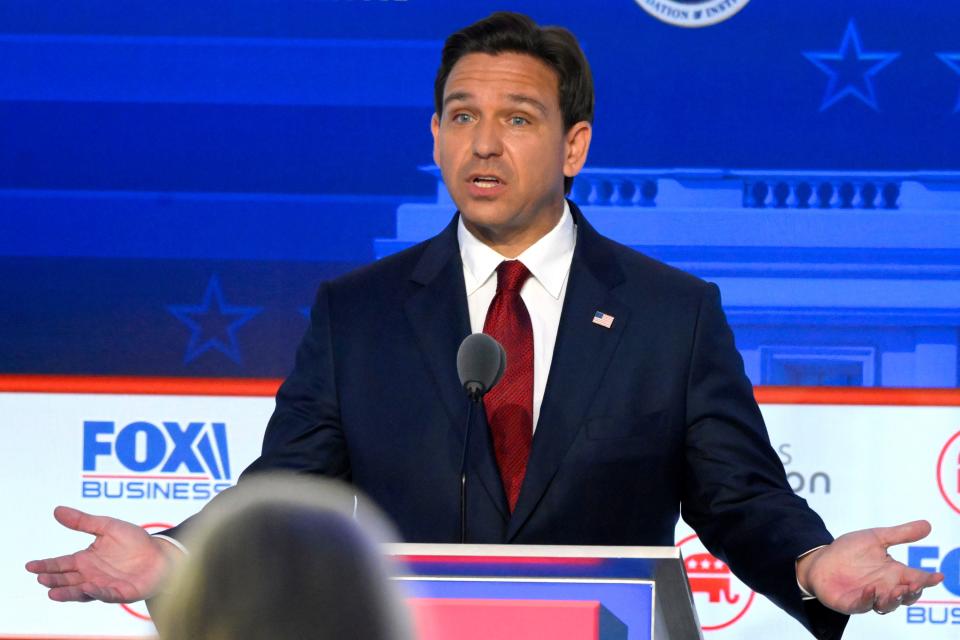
x=828 y=278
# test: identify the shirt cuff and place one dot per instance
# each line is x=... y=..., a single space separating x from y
x=182 y=548
x=806 y=595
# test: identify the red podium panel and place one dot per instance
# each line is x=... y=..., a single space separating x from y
x=482 y=619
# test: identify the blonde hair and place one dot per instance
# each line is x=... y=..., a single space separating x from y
x=285 y=557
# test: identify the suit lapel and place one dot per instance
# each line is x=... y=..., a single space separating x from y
x=580 y=359
x=438 y=313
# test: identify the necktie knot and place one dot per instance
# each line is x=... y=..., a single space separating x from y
x=511 y=274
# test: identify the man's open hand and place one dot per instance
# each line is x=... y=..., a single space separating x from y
x=124 y=564
x=856 y=574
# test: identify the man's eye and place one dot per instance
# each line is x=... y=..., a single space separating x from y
x=461 y=118
x=519 y=121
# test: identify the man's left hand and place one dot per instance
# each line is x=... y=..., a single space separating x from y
x=855 y=573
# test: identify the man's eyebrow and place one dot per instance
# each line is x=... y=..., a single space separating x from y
x=457 y=96
x=522 y=99
x=519 y=98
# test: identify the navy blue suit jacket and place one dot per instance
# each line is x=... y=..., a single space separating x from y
x=640 y=421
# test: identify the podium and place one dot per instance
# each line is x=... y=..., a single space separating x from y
x=514 y=592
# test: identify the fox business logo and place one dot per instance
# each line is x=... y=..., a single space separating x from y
x=941 y=611
x=147 y=461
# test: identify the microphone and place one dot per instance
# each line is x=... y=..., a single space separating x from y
x=481 y=361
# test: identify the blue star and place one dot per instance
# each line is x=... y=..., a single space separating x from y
x=952 y=60
x=210 y=323
x=850 y=70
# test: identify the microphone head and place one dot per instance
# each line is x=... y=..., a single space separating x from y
x=481 y=362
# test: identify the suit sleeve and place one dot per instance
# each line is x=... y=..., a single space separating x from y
x=736 y=494
x=304 y=433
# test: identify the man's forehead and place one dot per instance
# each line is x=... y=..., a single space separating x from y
x=507 y=75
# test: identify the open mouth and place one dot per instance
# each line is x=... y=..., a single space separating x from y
x=486 y=182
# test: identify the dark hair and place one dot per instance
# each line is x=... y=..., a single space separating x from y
x=505 y=31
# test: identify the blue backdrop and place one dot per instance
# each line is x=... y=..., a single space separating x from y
x=176 y=177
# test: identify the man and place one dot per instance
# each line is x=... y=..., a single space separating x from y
x=645 y=411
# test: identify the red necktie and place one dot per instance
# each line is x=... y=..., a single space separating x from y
x=509 y=404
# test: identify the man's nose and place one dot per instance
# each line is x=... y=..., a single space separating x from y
x=487 y=139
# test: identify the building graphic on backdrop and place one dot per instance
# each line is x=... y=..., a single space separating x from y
x=828 y=277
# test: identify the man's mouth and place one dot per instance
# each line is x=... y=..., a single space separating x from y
x=486 y=182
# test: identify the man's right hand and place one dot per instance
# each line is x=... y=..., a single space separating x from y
x=124 y=563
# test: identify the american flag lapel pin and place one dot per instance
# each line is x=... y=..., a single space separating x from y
x=605 y=320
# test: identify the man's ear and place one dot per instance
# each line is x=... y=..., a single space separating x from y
x=435 y=130
x=575 y=148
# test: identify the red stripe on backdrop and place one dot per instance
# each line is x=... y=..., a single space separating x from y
x=140 y=385
x=858 y=395
x=268 y=387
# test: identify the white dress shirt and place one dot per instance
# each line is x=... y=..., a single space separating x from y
x=548 y=261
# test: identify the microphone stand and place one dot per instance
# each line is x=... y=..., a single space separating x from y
x=475 y=395
x=481 y=362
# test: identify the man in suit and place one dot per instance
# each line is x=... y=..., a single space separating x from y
x=624 y=401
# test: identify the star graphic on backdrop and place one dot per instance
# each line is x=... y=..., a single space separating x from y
x=850 y=69
x=952 y=60
x=213 y=323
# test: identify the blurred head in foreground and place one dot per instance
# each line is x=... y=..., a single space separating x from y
x=284 y=557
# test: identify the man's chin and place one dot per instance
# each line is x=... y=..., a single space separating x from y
x=484 y=213
x=485 y=226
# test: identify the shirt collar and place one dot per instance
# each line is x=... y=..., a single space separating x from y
x=548 y=259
